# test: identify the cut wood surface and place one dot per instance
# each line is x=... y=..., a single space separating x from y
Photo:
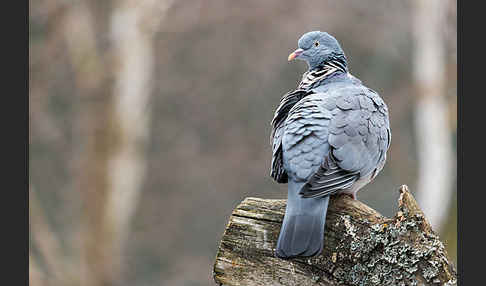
x=361 y=247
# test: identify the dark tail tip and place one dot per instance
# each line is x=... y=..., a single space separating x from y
x=309 y=252
x=301 y=236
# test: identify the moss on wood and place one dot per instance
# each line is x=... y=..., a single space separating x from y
x=362 y=247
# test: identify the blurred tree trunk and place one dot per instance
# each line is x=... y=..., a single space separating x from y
x=111 y=127
x=47 y=244
x=132 y=27
x=434 y=146
x=92 y=134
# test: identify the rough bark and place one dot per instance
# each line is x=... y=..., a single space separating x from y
x=361 y=247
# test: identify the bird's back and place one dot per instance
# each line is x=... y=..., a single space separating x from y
x=341 y=120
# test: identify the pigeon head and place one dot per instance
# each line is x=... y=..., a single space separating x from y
x=317 y=48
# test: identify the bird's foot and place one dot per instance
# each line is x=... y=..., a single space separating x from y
x=351 y=195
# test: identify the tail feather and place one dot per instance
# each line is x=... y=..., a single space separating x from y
x=302 y=232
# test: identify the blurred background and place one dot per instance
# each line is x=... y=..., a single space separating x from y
x=150 y=122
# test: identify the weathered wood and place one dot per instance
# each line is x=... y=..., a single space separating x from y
x=361 y=247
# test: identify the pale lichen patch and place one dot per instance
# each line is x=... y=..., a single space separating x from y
x=389 y=253
x=350 y=228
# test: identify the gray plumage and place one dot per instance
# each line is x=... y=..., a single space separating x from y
x=329 y=136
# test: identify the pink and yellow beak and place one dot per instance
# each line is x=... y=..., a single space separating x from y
x=295 y=54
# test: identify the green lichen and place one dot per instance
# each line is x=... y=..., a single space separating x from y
x=389 y=253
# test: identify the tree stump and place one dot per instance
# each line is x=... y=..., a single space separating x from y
x=361 y=247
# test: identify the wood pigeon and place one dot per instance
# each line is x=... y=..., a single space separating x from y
x=329 y=136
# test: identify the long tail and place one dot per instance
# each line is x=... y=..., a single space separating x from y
x=302 y=232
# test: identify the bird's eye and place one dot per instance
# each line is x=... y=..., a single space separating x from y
x=316 y=43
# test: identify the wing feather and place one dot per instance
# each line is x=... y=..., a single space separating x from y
x=277 y=171
x=359 y=136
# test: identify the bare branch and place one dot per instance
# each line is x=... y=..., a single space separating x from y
x=46 y=241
